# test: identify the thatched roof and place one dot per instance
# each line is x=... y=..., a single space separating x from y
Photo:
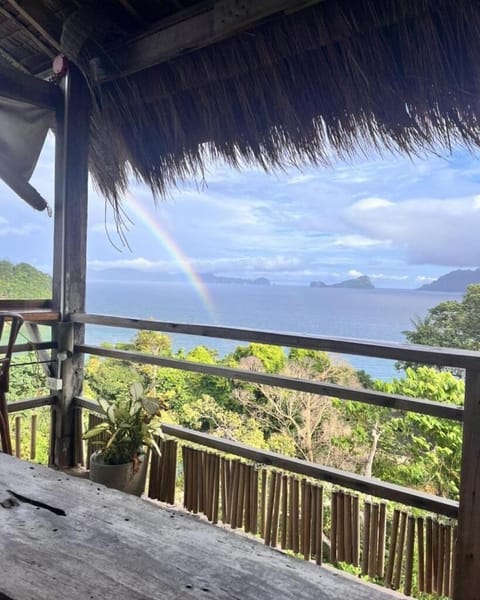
x=333 y=79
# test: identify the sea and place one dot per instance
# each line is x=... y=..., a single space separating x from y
x=371 y=314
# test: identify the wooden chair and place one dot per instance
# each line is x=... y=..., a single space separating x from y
x=15 y=324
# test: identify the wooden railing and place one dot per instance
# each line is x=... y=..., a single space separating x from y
x=434 y=539
x=442 y=549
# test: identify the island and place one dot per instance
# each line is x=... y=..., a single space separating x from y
x=23 y=281
x=363 y=282
x=454 y=281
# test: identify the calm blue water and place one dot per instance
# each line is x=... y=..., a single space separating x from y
x=377 y=314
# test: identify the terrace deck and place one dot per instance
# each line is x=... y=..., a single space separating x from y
x=109 y=545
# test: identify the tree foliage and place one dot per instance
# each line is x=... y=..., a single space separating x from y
x=452 y=324
x=22 y=281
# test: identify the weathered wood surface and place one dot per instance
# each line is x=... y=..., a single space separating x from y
x=109 y=545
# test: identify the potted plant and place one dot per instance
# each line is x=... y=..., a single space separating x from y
x=127 y=435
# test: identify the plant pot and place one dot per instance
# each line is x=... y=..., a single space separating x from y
x=120 y=477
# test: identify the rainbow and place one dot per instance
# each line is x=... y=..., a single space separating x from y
x=174 y=250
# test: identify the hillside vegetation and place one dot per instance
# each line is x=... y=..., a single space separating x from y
x=22 y=281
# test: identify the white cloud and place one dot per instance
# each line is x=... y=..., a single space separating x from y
x=430 y=230
x=358 y=241
x=388 y=277
x=371 y=203
x=22 y=230
x=425 y=278
x=355 y=273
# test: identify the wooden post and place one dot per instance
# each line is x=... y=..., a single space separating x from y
x=467 y=559
x=70 y=244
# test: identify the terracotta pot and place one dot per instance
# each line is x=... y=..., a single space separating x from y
x=120 y=477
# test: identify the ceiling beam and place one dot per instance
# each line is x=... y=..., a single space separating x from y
x=42 y=20
x=26 y=88
x=35 y=40
x=225 y=19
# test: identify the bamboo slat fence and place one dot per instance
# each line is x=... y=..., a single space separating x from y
x=411 y=552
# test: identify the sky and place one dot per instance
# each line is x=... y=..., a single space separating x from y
x=400 y=221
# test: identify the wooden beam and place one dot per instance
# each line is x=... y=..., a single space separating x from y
x=70 y=246
x=42 y=20
x=447 y=357
x=467 y=571
x=34 y=39
x=225 y=19
x=27 y=88
x=393 y=401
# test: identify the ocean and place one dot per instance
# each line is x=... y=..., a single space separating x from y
x=379 y=314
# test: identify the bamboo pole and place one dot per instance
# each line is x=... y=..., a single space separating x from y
x=255 y=501
x=435 y=555
x=284 y=521
x=18 y=437
x=33 y=437
x=216 y=488
x=263 y=503
x=240 y=494
x=407 y=587
x=223 y=476
x=382 y=528
x=367 y=516
x=447 y=559
x=276 y=509
x=235 y=492
x=400 y=547
x=340 y=527
x=440 y=557
x=295 y=518
x=372 y=556
x=347 y=527
x=290 y=514
x=421 y=554
x=333 y=527
x=319 y=527
x=307 y=521
x=247 y=499
x=393 y=546
x=185 y=477
x=429 y=555
x=270 y=503
x=355 y=531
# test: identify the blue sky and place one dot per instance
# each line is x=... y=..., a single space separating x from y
x=400 y=221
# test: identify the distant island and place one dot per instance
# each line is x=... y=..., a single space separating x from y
x=22 y=282
x=362 y=282
x=455 y=281
x=156 y=276
x=211 y=278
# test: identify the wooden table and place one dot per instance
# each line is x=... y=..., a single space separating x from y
x=109 y=545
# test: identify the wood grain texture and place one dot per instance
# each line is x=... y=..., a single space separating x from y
x=110 y=545
x=467 y=572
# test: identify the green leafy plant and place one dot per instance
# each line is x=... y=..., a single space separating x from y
x=132 y=424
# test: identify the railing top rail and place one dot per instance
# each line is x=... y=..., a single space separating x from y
x=394 y=401
x=462 y=359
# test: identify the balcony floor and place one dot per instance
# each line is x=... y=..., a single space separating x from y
x=110 y=545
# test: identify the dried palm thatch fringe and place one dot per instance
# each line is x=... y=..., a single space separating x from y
x=342 y=77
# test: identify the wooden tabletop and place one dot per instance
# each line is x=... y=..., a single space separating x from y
x=64 y=537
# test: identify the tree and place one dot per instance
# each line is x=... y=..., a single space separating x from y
x=311 y=422
x=452 y=324
x=410 y=448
